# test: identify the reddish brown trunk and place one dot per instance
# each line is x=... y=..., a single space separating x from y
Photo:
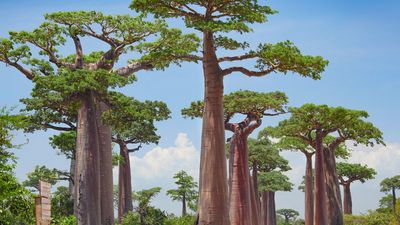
x=334 y=199
x=106 y=176
x=268 y=208
x=240 y=198
x=124 y=183
x=255 y=183
x=320 y=211
x=93 y=171
x=255 y=208
x=348 y=205
x=213 y=197
x=87 y=176
x=309 y=198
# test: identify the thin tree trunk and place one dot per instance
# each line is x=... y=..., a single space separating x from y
x=124 y=183
x=87 y=175
x=320 y=211
x=309 y=198
x=335 y=209
x=213 y=196
x=394 y=199
x=348 y=205
x=271 y=210
x=264 y=208
x=106 y=176
x=70 y=182
x=255 y=208
x=255 y=183
x=184 y=205
x=240 y=198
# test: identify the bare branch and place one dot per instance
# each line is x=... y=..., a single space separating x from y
x=236 y=58
x=49 y=126
x=248 y=72
x=28 y=74
x=133 y=68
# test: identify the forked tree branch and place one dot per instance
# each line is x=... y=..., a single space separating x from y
x=247 y=72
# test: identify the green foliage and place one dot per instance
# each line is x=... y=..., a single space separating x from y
x=222 y=16
x=148 y=214
x=245 y=103
x=133 y=121
x=274 y=181
x=187 y=188
x=185 y=220
x=285 y=56
x=346 y=123
x=65 y=142
x=62 y=205
x=354 y=172
x=266 y=155
x=372 y=218
x=68 y=220
x=289 y=214
x=131 y=218
x=16 y=202
x=41 y=173
x=388 y=183
x=386 y=204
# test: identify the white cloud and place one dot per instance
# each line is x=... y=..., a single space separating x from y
x=165 y=162
x=383 y=158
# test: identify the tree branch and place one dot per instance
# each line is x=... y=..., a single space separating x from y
x=133 y=68
x=49 y=126
x=236 y=58
x=248 y=72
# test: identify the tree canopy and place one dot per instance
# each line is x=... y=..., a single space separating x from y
x=274 y=181
x=349 y=173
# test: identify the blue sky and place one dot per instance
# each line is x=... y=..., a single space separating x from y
x=359 y=38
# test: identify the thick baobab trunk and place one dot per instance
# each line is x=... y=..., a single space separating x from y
x=309 y=198
x=213 y=196
x=348 y=205
x=106 y=176
x=240 y=193
x=87 y=170
x=184 y=205
x=320 y=211
x=93 y=170
x=124 y=182
x=334 y=199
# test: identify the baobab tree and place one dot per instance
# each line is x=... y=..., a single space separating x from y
x=253 y=105
x=132 y=123
x=325 y=129
x=265 y=158
x=288 y=214
x=390 y=185
x=296 y=144
x=269 y=183
x=349 y=173
x=186 y=191
x=215 y=19
x=86 y=78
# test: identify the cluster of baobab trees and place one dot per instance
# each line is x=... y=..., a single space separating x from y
x=75 y=93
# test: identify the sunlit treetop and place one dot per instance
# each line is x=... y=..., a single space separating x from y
x=390 y=183
x=218 y=17
x=341 y=123
x=132 y=121
x=245 y=103
x=274 y=181
x=349 y=173
x=121 y=33
x=266 y=155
